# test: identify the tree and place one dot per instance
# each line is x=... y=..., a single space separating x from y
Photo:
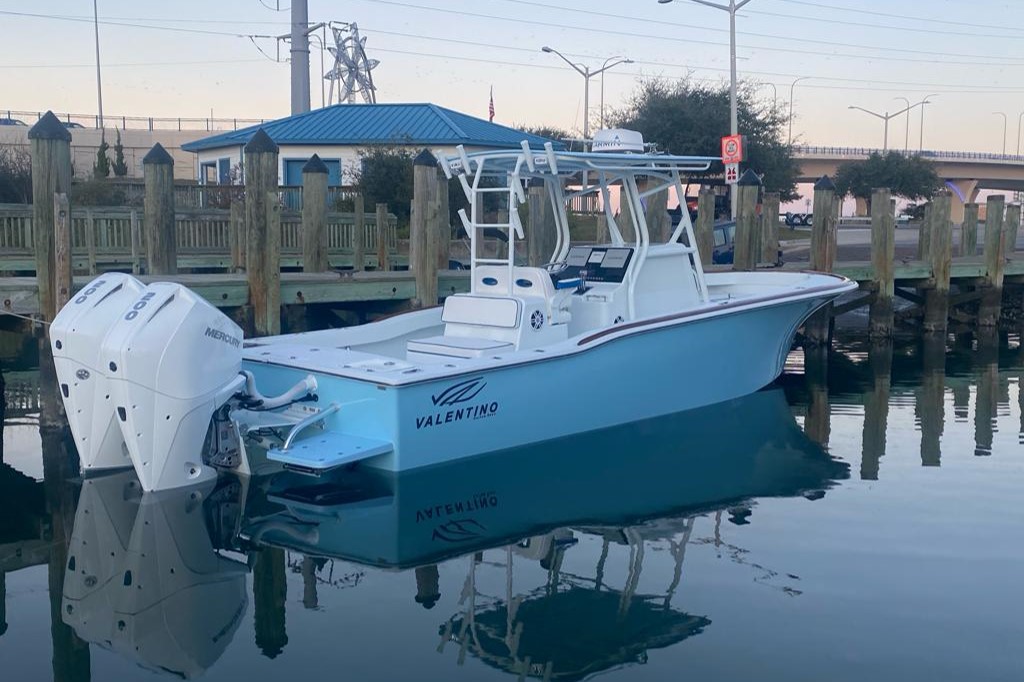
x=101 y=169
x=384 y=176
x=120 y=167
x=15 y=176
x=910 y=177
x=684 y=117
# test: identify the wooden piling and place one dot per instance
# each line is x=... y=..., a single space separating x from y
x=770 y=228
x=540 y=227
x=136 y=239
x=261 y=272
x=270 y=596
x=995 y=262
x=936 y=308
x=359 y=234
x=236 y=233
x=158 y=208
x=969 y=231
x=62 y=249
x=273 y=255
x=883 y=254
x=1010 y=229
x=50 y=144
x=314 y=215
x=748 y=243
x=876 y=406
x=659 y=223
x=423 y=229
x=817 y=329
x=817 y=424
x=90 y=240
x=924 y=233
x=444 y=224
x=704 y=228
x=930 y=404
x=383 y=257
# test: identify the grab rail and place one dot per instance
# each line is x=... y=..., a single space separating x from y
x=307 y=422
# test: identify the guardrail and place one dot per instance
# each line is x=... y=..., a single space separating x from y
x=927 y=153
x=134 y=122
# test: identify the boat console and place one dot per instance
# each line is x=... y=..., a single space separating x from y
x=605 y=263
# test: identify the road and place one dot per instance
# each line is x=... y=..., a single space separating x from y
x=855 y=244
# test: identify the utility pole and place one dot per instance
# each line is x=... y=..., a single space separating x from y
x=300 y=56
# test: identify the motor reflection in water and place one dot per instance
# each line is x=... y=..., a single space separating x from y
x=161 y=578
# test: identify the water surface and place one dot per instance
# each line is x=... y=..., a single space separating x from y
x=860 y=519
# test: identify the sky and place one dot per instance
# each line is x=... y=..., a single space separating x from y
x=188 y=58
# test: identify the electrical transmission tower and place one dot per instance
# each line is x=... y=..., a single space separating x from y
x=351 y=70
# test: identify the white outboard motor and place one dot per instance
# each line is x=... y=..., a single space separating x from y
x=172 y=360
x=76 y=336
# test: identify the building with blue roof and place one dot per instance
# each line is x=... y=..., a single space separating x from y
x=338 y=133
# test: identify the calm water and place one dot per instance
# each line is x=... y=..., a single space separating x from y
x=861 y=520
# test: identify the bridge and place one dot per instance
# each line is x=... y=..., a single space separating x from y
x=965 y=173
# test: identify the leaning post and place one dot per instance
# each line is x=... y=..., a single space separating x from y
x=314 y=215
x=936 y=305
x=748 y=244
x=883 y=255
x=995 y=262
x=423 y=228
x=823 y=255
x=703 y=230
x=158 y=212
x=50 y=144
x=260 y=180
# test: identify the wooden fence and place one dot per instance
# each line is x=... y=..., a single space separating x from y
x=193 y=195
x=104 y=234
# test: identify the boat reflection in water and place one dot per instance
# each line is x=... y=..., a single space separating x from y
x=630 y=485
x=148 y=574
x=143 y=578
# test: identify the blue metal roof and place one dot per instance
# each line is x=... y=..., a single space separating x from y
x=368 y=124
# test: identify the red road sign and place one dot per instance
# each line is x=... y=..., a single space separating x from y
x=733 y=149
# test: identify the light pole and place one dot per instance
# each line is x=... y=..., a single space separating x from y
x=924 y=101
x=605 y=67
x=775 y=95
x=885 y=117
x=99 y=83
x=906 y=136
x=1000 y=113
x=587 y=74
x=1019 y=117
x=792 y=87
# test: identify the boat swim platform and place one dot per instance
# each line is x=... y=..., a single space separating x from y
x=20 y=295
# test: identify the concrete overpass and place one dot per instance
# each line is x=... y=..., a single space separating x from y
x=965 y=173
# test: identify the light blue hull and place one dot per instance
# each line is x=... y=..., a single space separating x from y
x=645 y=372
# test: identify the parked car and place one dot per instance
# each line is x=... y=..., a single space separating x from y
x=11 y=122
x=797 y=219
x=724 y=247
x=72 y=124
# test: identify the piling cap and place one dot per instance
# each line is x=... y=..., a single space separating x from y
x=261 y=144
x=424 y=158
x=825 y=182
x=49 y=127
x=157 y=156
x=749 y=178
x=315 y=165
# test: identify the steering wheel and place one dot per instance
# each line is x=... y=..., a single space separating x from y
x=555 y=266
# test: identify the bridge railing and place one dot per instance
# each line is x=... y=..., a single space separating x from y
x=927 y=153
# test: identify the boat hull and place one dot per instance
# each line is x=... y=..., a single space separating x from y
x=613 y=379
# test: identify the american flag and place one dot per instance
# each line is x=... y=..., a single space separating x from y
x=490 y=107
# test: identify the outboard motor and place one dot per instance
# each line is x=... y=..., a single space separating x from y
x=172 y=360
x=76 y=336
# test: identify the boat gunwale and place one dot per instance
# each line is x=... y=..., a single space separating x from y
x=645 y=326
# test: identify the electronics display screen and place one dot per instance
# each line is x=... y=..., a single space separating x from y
x=601 y=263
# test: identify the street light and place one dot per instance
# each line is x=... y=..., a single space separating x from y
x=885 y=117
x=924 y=101
x=605 y=67
x=792 y=87
x=587 y=74
x=1019 y=117
x=906 y=136
x=99 y=82
x=999 y=113
x=731 y=8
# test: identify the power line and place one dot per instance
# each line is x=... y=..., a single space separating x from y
x=648 y=36
x=132 y=64
x=862 y=10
